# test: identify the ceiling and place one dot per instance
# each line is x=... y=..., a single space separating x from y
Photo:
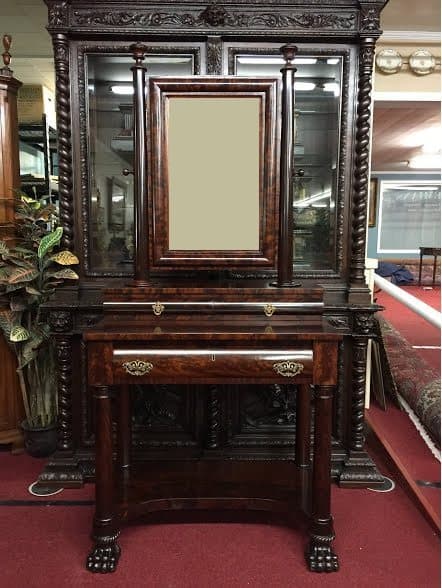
x=33 y=63
x=400 y=129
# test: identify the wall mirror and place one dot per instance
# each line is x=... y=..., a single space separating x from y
x=213 y=172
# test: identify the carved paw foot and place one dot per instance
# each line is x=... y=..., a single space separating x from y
x=320 y=558
x=103 y=559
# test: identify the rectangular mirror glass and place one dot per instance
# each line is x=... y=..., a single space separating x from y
x=209 y=210
x=110 y=150
x=318 y=88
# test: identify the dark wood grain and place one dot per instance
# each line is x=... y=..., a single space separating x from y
x=11 y=407
x=140 y=170
x=308 y=356
x=161 y=89
x=285 y=238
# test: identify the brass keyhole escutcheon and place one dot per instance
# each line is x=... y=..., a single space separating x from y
x=158 y=308
x=269 y=309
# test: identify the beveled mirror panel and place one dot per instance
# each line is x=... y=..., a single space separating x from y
x=110 y=149
x=213 y=172
x=318 y=91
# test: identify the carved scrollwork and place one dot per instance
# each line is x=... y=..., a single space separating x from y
x=362 y=154
x=370 y=20
x=60 y=321
x=214 y=56
x=58 y=14
x=214 y=412
x=339 y=322
x=64 y=357
x=215 y=16
x=359 y=367
x=61 y=54
x=364 y=324
x=268 y=406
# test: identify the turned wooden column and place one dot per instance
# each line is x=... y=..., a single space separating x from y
x=11 y=407
x=104 y=556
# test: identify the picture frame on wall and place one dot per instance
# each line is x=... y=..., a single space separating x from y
x=372 y=202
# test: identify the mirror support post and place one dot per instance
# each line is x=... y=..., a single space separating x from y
x=285 y=247
x=140 y=176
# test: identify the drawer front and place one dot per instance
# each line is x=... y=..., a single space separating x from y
x=174 y=366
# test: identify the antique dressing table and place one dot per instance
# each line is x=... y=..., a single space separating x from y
x=213 y=331
x=274 y=274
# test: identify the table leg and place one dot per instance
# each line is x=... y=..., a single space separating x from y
x=320 y=556
x=420 y=269
x=434 y=269
x=104 y=557
x=302 y=443
x=124 y=428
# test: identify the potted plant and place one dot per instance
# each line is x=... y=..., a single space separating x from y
x=31 y=269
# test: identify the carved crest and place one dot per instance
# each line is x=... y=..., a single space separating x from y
x=214 y=15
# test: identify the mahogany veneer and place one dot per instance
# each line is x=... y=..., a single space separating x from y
x=210 y=350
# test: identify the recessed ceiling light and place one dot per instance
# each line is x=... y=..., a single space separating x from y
x=118 y=89
x=425 y=162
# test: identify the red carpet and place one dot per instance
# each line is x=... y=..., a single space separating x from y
x=412 y=326
x=382 y=541
x=399 y=432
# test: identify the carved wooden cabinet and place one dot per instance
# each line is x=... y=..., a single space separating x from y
x=11 y=406
x=93 y=60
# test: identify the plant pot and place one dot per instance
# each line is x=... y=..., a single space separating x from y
x=41 y=441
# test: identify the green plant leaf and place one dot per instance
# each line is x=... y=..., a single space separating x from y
x=31 y=290
x=30 y=350
x=20 y=262
x=30 y=202
x=64 y=274
x=49 y=241
x=6 y=320
x=3 y=248
x=13 y=287
x=25 y=252
x=18 y=304
x=4 y=274
x=18 y=333
x=22 y=274
x=65 y=258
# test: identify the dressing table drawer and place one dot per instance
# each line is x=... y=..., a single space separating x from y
x=181 y=365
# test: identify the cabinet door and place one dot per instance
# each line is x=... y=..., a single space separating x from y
x=106 y=147
x=318 y=190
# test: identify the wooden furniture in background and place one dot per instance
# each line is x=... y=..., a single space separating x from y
x=435 y=252
x=11 y=408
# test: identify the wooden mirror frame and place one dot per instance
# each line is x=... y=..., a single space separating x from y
x=160 y=91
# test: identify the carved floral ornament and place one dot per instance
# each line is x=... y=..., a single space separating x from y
x=213 y=16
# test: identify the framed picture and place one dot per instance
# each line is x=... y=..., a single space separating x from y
x=372 y=202
x=117 y=191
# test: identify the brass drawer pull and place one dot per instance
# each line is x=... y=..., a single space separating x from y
x=158 y=308
x=269 y=309
x=288 y=369
x=137 y=367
